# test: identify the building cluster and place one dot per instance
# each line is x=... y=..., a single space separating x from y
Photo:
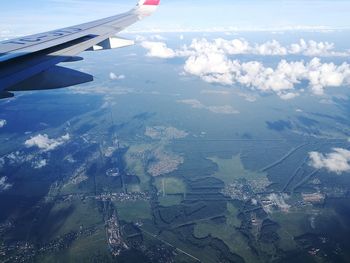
x=114 y=236
x=165 y=163
x=124 y=197
x=118 y=197
x=315 y=198
x=26 y=252
x=17 y=252
x=238 y=191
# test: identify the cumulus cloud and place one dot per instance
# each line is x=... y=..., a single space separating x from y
x=289 y=95
x=3 y=123
x=17 y=157
x=210 y=60
x=196 y=104
x=218 y=68
x=337 y=161
x=158 y=49
x=113 y=76
x=38 y=164
x=43 y=142
x=4 y=185
x=21 y=157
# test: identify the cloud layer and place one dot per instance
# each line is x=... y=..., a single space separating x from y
x=43 y=142
x=211 y=62
x=269 y=48
x=337 y=161
x=283 y=80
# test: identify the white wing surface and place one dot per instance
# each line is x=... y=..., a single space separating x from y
x=30 y=63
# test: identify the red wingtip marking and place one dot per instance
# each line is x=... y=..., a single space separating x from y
x=151 y=2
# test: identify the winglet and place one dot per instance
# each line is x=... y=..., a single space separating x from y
x=146 y=7
x=149 y=2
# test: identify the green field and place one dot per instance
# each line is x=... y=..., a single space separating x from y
x=227 y=233
x=65 y=217
x=170 y=200
x=131 y=211
x=232 y=169
x=209 y=256
x=170 y=185
x=81 y=250
x=136 y=166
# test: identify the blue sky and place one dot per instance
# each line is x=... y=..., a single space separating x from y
x=25 y=17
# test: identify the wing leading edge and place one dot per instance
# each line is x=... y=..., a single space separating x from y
x=28 y=63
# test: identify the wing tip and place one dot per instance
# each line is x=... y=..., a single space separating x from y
x=146 y=7
x=149 y=2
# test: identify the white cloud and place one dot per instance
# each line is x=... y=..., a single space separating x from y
x=278 y=200
x=158 y=49
x=211 y=62
x=21 y=157
x=289 y=96
x=4 y=185
x=113 y=76
x=196 y=104
x=43 y=142
x=337 y=161
x=217 y=68
x=39 y=164
x=17 y=157
x=3 y=123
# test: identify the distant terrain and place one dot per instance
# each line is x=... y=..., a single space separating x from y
x=161 y=166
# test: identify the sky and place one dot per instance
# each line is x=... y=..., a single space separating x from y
x=27 y=17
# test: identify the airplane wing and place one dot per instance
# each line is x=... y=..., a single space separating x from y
x=30 y=63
